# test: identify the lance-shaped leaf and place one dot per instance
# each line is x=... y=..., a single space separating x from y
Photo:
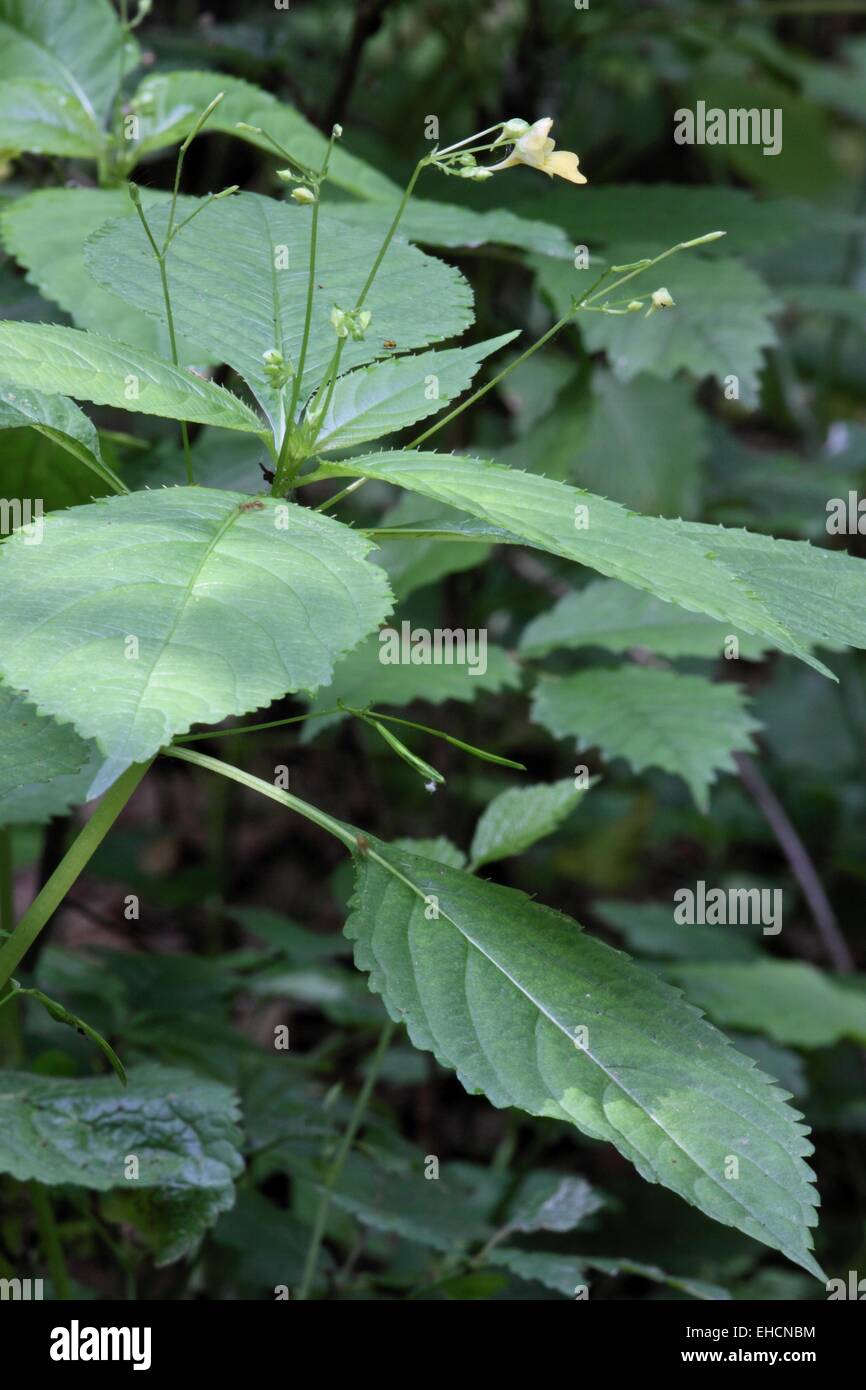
x=45 y=357
x=732 y=576
x=683 y=724
x=532 y=1012
x=138 y=616
x=788 y=1000
x=38 y=117
x=247 y=259
x=613 y=616
x=378 y=400
x=73 y=48
x=61 y=421
x=169 y=104
x=44 y=767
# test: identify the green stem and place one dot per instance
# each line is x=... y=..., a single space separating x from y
x=246 y=779
x=169 y=317
x=326 y=388
x=334 y=1172
x=68 y=870
x=50 y=1239
x=11 y=1049
x=258 y=728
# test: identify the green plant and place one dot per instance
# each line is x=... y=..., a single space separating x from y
x=133 y=618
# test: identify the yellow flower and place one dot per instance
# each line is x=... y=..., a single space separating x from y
x=536 y=149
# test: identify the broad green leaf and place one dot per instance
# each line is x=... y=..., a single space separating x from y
x=721 y=325
x=683 y=724
x=61 y=421
x=44 y=767
x=516 y=818
x=169 y=104
x=248 y=256
x=43 y=119
x=181 y=1128
x=74 y=48
x=610 y=615
x=567 y=1273
x=729 y=575
x=180 y=606
x=46 y=230
x=363 y=678
x=790 y=1001
x=650 y=930
x=445 y=224
x=386 y=397
x=43 y=357
x=532 y=1012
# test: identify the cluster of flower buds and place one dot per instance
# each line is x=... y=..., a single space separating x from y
x=277 y=370
x=350 y=324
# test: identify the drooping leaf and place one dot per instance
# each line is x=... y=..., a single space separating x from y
x=516 y=818
x=790 y=1001
x=611 y=615
x=43 y=357
x=732 y=576
x=683 y=724
x=45 y=120
x=169 y=104
x=44 y=767
x=378 y=400
x=532 y=1012
x=61 y=421
x=46 y=230
x=180 y=606
x=73 y=48
x=249 y=257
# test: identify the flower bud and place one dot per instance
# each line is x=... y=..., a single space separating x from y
x=661 y=299
x=337 y=131
x=513 y=129
x=303 y=195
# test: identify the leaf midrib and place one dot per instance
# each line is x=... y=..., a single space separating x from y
x=615 y=1080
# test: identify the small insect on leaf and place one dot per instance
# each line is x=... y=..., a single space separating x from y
x=363 y=844
x=254 y=506
x=389 y=343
